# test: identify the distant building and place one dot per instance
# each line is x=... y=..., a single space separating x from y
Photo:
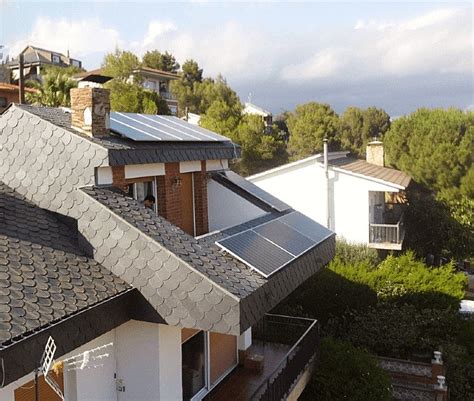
x=267 y=116
x=159 y=82
x=193 y=118
x=35 y=59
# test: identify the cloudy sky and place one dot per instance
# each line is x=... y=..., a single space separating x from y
x=394 y=55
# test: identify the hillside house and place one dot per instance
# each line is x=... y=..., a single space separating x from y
x=154 y=80
x=159 y=82
x=267 y=116
x=35 y=59
x=155 y=302
x=361 y=200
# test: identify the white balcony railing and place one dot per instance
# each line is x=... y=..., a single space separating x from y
x=387 y=236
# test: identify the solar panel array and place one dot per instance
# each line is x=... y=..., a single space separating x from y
x=151 y=127
x=271 y=246
x=256 y=191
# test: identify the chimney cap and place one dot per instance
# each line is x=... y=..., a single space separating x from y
x=375 y=142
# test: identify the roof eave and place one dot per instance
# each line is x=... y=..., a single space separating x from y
x=21 y=357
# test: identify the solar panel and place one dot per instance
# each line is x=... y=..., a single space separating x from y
x=149 y=127
x=306 y=226
x=257 y=252
x=256 y=191
x=270 y=246
x=286 y=237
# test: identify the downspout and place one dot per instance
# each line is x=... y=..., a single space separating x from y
x=326 y=174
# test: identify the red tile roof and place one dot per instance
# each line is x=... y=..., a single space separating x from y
x=13 y=88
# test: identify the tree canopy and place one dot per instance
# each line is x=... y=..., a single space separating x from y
x=54 y=90
x=120 y=64
x=309 y=124
x=435 y=147
x=359 y=126
x=259 y=149
x=126 y=94
x=160 y=61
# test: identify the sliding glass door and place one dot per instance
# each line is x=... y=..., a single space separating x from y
x=194 y=354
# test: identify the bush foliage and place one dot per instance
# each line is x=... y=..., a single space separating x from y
x=347 y=373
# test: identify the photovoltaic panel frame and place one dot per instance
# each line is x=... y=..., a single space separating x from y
x=270 y=246
x=155 y=128
x=256 y=251
x=306 y=226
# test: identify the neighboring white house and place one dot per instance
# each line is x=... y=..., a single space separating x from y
x=267 y=116
x=360 y=200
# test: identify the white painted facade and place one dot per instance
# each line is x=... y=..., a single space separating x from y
x=137 y=361
x=302 y=185
x=227 y=209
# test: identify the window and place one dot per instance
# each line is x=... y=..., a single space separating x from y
x=3 y=102
x=140 y=190
x=56 y=59
x=76 y=63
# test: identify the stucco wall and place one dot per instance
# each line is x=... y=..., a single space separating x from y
x=303 y=188
x=227 y=209
x=145 y=357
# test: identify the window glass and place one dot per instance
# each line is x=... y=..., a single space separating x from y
x=141 y=190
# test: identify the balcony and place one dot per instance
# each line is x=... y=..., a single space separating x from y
x=388 y=232
x=288 y=346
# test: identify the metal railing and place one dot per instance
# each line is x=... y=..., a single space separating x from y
x=286 y=330
x=167 y=95
x=387 y=233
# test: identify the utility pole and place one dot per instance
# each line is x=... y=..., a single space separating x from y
x=21 y=82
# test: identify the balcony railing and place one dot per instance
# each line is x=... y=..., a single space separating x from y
x=388 y=231
x=303 y=334
x=167 y=95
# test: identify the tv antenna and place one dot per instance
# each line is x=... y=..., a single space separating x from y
x=46 y=363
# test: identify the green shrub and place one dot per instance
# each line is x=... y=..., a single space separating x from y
x=407 y=280
x=459 y=371
x=326 y=295
x=347 y=373
x=353 y=253
x=399 y=331
x=403 y=279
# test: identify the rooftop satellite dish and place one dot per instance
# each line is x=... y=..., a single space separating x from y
x=46 y=363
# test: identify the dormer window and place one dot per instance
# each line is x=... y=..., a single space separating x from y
x=76 y=63
x=56 y=59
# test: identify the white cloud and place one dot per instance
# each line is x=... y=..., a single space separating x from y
x=439 y=41
x=81 y=37
x=323 y=64
x=156 y=29
x=230 y=49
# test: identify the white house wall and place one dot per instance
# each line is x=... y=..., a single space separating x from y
x=226 y=208
x=145 y=357
x=302 y=186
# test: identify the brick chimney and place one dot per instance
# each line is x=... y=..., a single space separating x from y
x=374 y=153
x=90 y=111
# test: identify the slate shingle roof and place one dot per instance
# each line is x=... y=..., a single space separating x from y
x=123 y=151
x=363 y=167
x=204 y=256
x=188 y=281
x=44 y=278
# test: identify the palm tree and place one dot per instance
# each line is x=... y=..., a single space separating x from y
x=53 y=91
